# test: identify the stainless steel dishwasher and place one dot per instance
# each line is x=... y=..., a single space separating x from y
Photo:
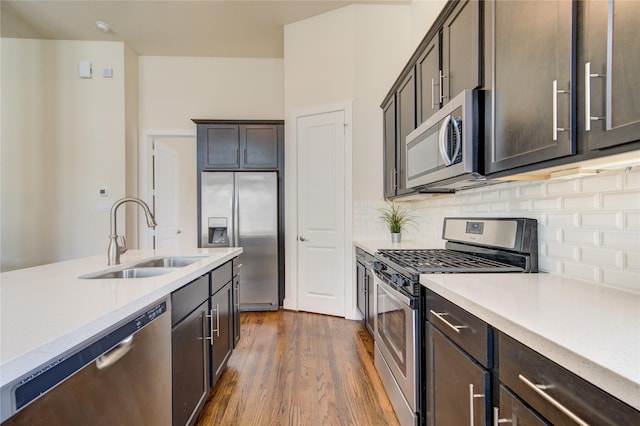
x=123 y=377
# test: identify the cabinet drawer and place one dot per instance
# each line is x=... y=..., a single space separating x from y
x=522 y=370
x=186 y=298
x=220 y=276
x=467 y=331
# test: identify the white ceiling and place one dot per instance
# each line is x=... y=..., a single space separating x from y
x=235 y=28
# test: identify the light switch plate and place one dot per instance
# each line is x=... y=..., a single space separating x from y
x=85 y=69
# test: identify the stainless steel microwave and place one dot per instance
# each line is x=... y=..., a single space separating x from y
x=444 y=152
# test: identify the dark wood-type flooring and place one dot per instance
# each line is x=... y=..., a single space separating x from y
x=294 y=368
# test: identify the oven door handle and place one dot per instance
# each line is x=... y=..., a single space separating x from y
x=395 y=294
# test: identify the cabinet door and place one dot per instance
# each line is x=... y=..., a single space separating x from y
x=236 y=310
x=457 y=387
x=406 y=123
x=389 y=123
x=610 y=73
x=221 y=316
x=221 y=146
x=428 y=81
x=361 y=292
x=513 y=411
x=190 y=359
x=530 y=52
x=461 y=50
x=259 y=144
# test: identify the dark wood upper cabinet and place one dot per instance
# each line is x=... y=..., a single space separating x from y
x=221 y=146
x=238 y=145
x=259 y=144
x=461 y=46
x=389 y=142
x=406 y=119
x=428 y=80
x=608 y=69
x=529 y=59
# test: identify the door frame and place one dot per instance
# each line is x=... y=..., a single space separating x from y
x=145 y=174
x=291 y=206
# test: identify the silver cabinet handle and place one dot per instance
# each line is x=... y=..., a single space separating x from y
x=557 y=129
x=433 y=84
x=496 y=417
x=115 y=354
x=540 y=390
x=442 y=96
x=244 y=155
x=217 y=321
x=440 y=316
x=210 y=338
x=588 y=118
x=395 y=178
x=472 y=397
x=237 y=156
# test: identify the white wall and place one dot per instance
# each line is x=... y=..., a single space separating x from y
x=174 y=90
x=62 y=139
x=589 y=228
x=353 y=54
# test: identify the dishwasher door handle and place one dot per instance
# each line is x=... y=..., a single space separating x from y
x=115 y=354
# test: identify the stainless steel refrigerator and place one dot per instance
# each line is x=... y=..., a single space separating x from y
x=240 y=209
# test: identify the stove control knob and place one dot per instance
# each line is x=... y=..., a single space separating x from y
x=379 y=266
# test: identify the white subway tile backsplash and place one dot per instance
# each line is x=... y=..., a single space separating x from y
x=602 y=257
x=588 y=228
x=580 y=202
x=626 y=240
x=621 y=278
x=581 y=237
x=632 y=220
x=605 y=181
x=562 y=187
x=621 y=200
x=601 y=220
x=581 y=271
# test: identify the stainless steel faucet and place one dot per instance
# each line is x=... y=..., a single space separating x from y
x=116 y=249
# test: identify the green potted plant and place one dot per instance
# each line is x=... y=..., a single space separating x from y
x=397 y=219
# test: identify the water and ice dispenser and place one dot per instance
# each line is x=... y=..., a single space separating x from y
x=218 y=232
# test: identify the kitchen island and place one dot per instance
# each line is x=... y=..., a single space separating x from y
x=48 y=311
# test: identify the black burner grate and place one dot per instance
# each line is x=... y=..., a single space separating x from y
x=439 y=260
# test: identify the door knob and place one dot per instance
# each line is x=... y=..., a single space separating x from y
x=301 y=238
x=179 y=232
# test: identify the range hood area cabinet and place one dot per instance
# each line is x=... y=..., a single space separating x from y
x=559 y=79
x=446 y=62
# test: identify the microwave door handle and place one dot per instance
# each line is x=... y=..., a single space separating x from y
x=443 y=141
x=458 y=140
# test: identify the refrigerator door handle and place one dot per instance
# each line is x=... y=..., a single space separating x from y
x=236 y=216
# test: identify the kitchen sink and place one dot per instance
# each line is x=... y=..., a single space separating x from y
x=134 y=272
x=169 y=262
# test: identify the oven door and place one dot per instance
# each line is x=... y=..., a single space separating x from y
x=395 y=331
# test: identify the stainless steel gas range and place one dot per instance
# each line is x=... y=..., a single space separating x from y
x=473 y=245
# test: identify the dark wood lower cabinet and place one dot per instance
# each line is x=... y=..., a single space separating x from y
x=457 y=386
x=513 y=411
x=222 y=321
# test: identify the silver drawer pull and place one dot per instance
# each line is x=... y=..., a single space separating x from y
x=540 y=390
x=496 y=417
x=440 y=316
x=472 y=396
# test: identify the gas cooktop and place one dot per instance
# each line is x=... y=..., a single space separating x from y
x=424 y=261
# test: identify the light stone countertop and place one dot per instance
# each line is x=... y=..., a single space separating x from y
x=46 y=311
x=590 y=329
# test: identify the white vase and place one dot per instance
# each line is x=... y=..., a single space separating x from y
x=395 y=237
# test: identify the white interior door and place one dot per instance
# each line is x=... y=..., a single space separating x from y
x=321 y=212
x=166 y=185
